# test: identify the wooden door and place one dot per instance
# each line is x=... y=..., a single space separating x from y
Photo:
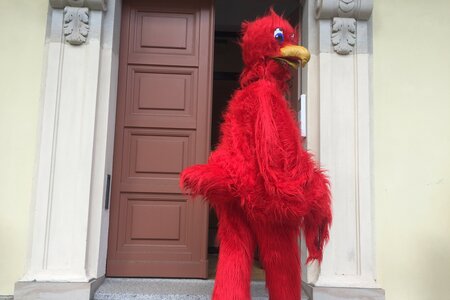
x=162 y=126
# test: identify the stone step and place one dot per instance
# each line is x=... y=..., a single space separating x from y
x=166 y=289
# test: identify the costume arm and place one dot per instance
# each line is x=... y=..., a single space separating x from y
x=209 y=181
x=279 y=153
x=270 y=153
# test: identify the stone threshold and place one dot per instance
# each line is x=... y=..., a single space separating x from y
x=166 y=289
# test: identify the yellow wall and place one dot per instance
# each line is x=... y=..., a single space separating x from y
x=412 y=147
x=22 y=32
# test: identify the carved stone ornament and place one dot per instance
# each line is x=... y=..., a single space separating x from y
x=344 y=15
x=346 y=7
x=91 y=4
x=357 y=9
x=343 y=35
x=76 y=24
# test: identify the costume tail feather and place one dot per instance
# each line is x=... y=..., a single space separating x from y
x=317 y=222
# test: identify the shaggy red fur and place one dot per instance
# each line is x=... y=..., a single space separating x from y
x=263 y=185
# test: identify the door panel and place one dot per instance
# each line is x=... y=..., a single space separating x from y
x=153 y=158
x=166 y=37
x=154 y=222
x=162 y=126
x=173 y=101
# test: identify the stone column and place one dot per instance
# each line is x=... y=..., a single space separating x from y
x=66 y=259
x=339 y=89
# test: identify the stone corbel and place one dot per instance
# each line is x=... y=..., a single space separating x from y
x=76 y=17
x=344 y=15
x=76 y=24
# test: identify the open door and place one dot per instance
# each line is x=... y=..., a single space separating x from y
x=162 y=126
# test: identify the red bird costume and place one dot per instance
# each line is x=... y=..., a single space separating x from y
x=263 y=185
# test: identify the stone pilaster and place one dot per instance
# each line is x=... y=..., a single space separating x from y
x=65 y=259
x=339 y=89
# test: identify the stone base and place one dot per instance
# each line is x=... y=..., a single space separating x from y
x=34 y=290
x=165 y=289
x=342 y=293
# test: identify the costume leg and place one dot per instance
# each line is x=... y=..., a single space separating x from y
x=235 y=255
x=279 y=255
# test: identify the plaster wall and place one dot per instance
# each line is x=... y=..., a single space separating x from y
x=412 y=147
x=22 y=28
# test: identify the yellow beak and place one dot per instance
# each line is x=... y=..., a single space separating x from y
x=294 y=55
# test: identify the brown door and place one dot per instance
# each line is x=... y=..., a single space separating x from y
x=162 y=126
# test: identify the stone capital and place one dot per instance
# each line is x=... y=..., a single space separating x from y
x=356 y=9
x=91 y=4
x=343 y=17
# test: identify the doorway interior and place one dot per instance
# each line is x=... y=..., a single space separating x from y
x=229 y=14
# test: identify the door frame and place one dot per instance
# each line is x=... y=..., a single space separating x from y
x=313 y=134
x=87 y=263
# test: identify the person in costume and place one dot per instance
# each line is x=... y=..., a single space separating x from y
x=264 y=186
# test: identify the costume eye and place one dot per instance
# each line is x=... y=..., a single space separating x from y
x=278 y=35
